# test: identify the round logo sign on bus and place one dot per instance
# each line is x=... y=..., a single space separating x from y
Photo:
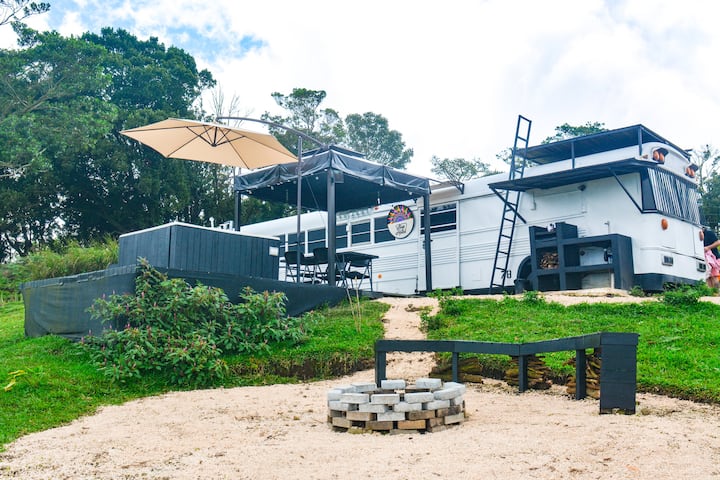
x=400 y=221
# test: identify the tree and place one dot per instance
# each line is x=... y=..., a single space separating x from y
x=306 y=116
x=17 y=10
x=567 y=131
x=52 y=110
x=708 y=160
x=562 y=132
x=72 y=173
x=711 y=202
x=369 y=134
x=458 y=169
x=122 y=185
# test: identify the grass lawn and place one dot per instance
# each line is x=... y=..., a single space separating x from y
x=55 y=382
x=678 y=350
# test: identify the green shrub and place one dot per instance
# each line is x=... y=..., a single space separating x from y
x=533 y=296
x=637 y=291
x=682 y=295
x=169 y=327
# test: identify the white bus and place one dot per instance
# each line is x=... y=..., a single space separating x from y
x=616 y=209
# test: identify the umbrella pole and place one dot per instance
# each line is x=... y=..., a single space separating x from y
x=299 y=207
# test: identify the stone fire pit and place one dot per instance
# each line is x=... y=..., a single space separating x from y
x=429 y=405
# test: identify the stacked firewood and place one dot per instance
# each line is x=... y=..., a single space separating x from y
x=538 y=373
x=592 y=375
x=549 y=260
x=470 y=370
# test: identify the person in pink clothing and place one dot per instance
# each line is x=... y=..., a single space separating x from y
x=712 y=257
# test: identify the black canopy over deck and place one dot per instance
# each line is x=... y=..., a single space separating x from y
x=335 y=180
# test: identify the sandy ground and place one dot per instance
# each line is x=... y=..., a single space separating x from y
x=280 y=432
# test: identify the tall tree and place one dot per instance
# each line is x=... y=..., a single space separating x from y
x=63 y=102
x=562 y=132
x=18 y=10
x=370 y=134
x=306 y=116
x=125 y=186
x=458 y=169
x=708 y=161
x=367 y=133
x=566 y=131
x=52 y=110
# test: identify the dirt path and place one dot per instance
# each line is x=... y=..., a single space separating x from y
x=280 y=432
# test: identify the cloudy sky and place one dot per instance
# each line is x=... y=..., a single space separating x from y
x=453 y=76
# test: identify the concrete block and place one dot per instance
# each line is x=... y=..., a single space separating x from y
x=385 y=398
x=336 y=413
x=360 y=416
x=345 y=388
x=461 y=386
x=407 y=407
x=411 y=425
x=390 y=416
x=342 y=406
x=457 y=418
x=392 y=384
x=419 y=397
x=431 y=383
x=415 y=389
x=436 y=404
x=457 y=401
x=373 y=407
x=334 y=394
x=364 y=387
x=355 y=398
x=447 y=393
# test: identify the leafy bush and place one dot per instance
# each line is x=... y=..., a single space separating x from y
x=533 y=296
x=183 y=331
x=682 y=295
x=637 y=291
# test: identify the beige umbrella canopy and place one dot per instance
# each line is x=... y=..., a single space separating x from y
x=211 y=142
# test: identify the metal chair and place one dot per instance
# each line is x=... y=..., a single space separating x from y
x=307 y=267
x=320 y=255
x=358 y=271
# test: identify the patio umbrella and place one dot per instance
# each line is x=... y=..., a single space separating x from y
x=216 y=143
x=211 y=142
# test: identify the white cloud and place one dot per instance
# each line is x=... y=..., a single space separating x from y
x=452 y=76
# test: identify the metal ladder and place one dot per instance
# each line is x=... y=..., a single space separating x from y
x=511 y=199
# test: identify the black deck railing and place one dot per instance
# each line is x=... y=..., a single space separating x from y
x=618 y=370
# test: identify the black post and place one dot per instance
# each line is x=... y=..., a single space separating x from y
x=455 y=367
x=580 y=375
x=331 y=224
x=428 y=255
x=618 y=372
x=238 y=205
x=299 y=209
x=380 y=363
x=522 y=373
